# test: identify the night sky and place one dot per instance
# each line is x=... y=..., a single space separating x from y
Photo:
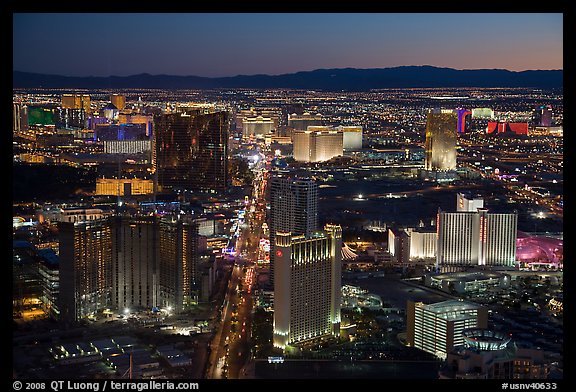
x=232 y=44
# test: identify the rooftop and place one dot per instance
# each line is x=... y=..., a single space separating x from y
x=49 y=256
x=468 y=276
x=450 y=309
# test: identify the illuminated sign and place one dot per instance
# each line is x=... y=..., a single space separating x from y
x=279 y=253
x=265 y=245
x=275 y=359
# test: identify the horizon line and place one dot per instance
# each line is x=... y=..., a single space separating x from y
x=286 y=73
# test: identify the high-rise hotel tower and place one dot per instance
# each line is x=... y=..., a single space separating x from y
x=441 y=135
x=307 y=287
x=127 y=262
x=293 y=209
x=190 y=151
x=472 y=236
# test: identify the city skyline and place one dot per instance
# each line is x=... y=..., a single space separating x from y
x=282 y=43
x=287 y=196
x=186 y=242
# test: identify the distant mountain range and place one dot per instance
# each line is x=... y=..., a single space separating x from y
x=348 y=79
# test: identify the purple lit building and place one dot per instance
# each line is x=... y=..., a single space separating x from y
x=462 y=113
x=105 y=132
x=92 y=121
x=544 y=115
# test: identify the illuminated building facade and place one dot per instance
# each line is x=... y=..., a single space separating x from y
x=468 y=202
x=441 y=135
x=135 y=250
x=127 y=261
x=475 y=239
x=76 y=214
x=191 y=151
x=76 y=101
x=544 y=116
x=38 y=115
x=293 y=208
x=49 y=271
x=155 y=262
x=467 y=282
x=85 y=268
x=483 y=113
x=437 y=328
x=124 y=186
x=303 y=145
x=118 y=100
x=104 y=132
x=110 y=112
x=308 y=288
x=462 y=114
x=257 y=126
x=127 y=146
x=147 y=120
x=351 y=137
x=398 y=245
x=496 y=127
x=27 y=284
x=93 y=121
x=19 y=117
x=317 y=144
x=269 y=113
x=301 y=122
x=70 y=118
x=547 y=131
x=177 y=263
x=422 y=244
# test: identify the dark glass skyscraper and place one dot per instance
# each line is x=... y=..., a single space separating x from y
x=191 y=150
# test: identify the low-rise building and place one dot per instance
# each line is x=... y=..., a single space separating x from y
x=488 y=354
x=437 y=328
x=467 y=282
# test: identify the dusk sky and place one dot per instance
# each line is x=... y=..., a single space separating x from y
x=231 y=44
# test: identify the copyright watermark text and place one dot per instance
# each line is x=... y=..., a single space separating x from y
x=530 y=385
x=102 y=386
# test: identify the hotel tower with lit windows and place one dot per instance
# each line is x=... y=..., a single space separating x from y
x=307 y=288
x=122 y=262
x=293 y=209
x=85 y=267
x=437 y=328
x=472 y=236
x=318 y=144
